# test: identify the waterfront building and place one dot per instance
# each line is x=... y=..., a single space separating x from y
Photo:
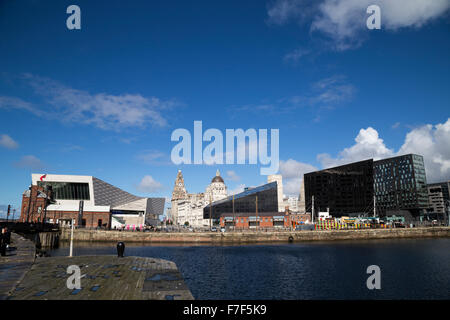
x=179 y=193
x=340 y=190
x=89 y=200
x=279 y=180
x=439 y=196
x=187 y=208
x=292 y=203
x=190 y=211
x=253 y=200
x=217 y=189
x=393 y=185
x=400 y=185
x=264 y=220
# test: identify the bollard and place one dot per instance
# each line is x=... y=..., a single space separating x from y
x=120 y=249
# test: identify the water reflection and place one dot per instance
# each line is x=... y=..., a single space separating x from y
x=411 y=269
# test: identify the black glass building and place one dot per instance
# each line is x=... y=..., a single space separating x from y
x=400 y=184
x=342 y=190
x=263 y=198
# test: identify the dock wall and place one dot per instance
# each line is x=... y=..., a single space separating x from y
x=252 y=236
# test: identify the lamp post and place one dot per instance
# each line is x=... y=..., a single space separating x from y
x=71 y=238
x=210 y=213
x=256 y=205
x=234 y=216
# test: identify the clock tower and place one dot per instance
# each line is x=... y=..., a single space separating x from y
x=179 y=191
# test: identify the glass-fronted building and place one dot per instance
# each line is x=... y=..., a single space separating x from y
x=67 y=190
x=90 y=201
x=259 y=199
x=400 y=184
x=342 y=190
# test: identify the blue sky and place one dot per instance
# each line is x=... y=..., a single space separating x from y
x=104 y=100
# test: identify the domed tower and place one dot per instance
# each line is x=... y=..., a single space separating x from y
x=217 y=190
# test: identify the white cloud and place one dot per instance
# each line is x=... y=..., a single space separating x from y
x=236 y=190
x=30 y=162
x=433 y=142
x=153 y=157
x=430 y=141
x=72 y=147
x=8 y=142
x=325 y=94
x=332 y=90
x=395 y=125
x=106 y=111
x=344 y=21
x=281 y=11
x=16 y=103
x=292 y=172
x=149 y=185
x=296 y=55
x=231 y=175
x=368 y=145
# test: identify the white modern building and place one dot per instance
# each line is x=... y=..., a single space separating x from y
x=91 y=202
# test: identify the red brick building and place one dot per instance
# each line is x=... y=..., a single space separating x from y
x=264 y=220
x=36 y=209
x=33 y=209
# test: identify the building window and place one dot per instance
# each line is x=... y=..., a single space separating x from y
x=68 y=190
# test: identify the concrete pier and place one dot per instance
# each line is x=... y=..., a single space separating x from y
x=24 y=277
x=15 y=264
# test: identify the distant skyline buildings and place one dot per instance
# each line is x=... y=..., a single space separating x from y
x=229 y=64
x=439 y=196
x=187 y=208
